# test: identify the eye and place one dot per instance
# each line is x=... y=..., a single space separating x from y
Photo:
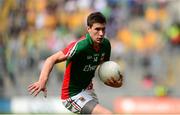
x=103 y=29
x=100 y=29
x=97 y=29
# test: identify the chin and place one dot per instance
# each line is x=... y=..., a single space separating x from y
x=99 y=42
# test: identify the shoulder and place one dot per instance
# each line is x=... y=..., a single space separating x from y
x=82 y=44
x=72 y=46
x=77 y=43
x=106 y=39
x=106 y=42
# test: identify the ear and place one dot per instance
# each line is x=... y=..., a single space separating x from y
x=88 y=28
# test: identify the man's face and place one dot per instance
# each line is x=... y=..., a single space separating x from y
x=97 y=32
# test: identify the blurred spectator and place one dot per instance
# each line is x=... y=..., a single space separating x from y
x=2 y=65
x=136 y=7
x=174 y=34
x=5 y=65
x=161 y=91
x=148 y=81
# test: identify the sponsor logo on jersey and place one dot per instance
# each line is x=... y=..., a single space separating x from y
x=89 y=67
x=89 y=57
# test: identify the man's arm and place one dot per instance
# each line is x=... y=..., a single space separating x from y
x=40 y=85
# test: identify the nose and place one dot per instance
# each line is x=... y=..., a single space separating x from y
x=101 y=32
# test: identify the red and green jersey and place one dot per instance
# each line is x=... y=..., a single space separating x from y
x=81 y=64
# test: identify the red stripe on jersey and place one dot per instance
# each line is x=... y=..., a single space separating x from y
x=65 y=85
x=67 y=50
x=67 y=75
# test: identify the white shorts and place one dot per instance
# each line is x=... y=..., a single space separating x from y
x=84 y=102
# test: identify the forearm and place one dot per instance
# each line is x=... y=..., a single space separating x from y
x=48 y=65
x=40 y=85
x=46 y=70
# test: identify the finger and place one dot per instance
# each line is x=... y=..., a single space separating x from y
x=36 y=92
x=107 y=82
x=120 y=76
x=31 y=87
x=45 y=93
x=119 y=83
x=33 y=90
x=113 y=79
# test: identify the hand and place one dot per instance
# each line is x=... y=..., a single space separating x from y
x=115 y=83
x=36 y=87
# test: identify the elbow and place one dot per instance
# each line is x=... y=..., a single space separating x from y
x=60 y=60
x=56 y=58
x=50 y=61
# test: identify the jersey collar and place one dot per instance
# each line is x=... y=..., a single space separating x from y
x=89 y=39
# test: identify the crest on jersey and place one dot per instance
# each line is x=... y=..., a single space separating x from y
x=95 y=59
x=102 y=57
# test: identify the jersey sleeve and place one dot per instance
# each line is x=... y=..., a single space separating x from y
x=71 y=49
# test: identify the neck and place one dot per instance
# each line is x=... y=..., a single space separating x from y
x=96 y=44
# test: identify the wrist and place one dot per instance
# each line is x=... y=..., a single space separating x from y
x=43 y=81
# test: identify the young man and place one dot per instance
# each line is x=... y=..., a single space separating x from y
x=82 y=58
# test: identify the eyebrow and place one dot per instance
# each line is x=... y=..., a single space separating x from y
x=98 y=28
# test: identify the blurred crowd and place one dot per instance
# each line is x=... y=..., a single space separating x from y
x=145 y=37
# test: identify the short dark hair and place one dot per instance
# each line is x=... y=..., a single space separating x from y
x=95 y=17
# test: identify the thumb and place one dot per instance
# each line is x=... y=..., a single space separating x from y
x=45 y=92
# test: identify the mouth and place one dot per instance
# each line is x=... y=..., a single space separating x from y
x=99 y=39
